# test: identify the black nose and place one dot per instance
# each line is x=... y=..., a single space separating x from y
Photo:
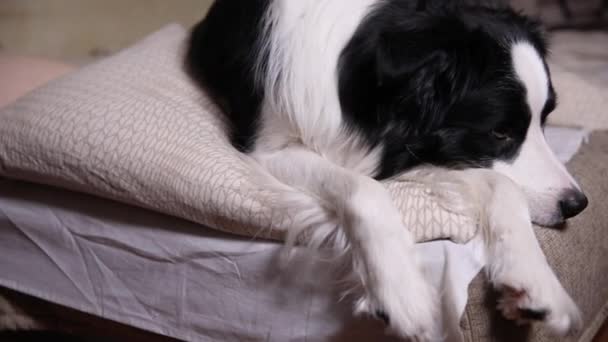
x=572 y=203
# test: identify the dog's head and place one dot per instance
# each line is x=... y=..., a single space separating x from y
x=461 y=87
x=552 y=192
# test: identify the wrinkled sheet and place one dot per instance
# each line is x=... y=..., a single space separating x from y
x=176 y=278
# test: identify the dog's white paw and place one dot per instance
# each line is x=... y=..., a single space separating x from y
x=394 y=288
x=539 y=298
x=405 y=301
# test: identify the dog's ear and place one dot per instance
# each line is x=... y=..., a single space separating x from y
x=399 y=57
x=413 y=72
x=431 y=54
x=431 y=68
x=421 y=5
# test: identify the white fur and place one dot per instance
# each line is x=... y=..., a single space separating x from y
x=306 y=38
x=536 y=168
x=323 y=173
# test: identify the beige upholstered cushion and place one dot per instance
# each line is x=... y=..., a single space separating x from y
x=591 y=107
x=576 y=56
x=136 y=129
x=578 y=254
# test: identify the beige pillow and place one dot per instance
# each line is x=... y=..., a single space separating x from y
x=134 y=128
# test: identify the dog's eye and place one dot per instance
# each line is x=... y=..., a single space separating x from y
x=500 y=135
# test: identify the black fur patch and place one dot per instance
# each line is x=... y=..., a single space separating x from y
x=533 y=315
x=381 y=315
x=224 y=48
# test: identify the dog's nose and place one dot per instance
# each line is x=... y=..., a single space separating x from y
x=572 y=203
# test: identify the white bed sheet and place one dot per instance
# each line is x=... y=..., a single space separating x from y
x=179 y=279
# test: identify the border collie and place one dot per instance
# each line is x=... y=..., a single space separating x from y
x=332 y=96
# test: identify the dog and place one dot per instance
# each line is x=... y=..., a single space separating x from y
x=331 y=97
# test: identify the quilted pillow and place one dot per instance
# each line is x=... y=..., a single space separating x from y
x=136 y=129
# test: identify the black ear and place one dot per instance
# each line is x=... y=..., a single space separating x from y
x=400 y=57
x=421 y=5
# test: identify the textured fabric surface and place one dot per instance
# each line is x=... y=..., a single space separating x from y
x=583 y=53
x=576 y=253
x=135 y=128
x=591 y=108
x=580 y=70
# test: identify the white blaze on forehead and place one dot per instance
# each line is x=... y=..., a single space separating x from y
x=530 y=70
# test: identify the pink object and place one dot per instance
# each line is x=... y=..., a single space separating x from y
x=21 y=74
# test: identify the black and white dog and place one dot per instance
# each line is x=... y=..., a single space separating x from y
x=331 y=96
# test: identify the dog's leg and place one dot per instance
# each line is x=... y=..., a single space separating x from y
x=393 y=286
x=516 y=264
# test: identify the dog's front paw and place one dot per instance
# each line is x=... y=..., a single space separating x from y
x=406 y=303
x=408 y=315
x=542 y=299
